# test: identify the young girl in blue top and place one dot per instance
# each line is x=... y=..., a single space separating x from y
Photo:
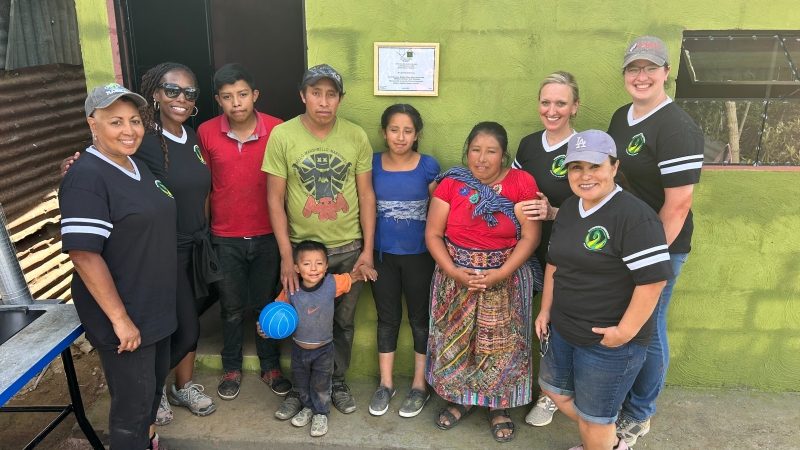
x=403 y=180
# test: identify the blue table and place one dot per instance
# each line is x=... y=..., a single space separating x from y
x=28 y=352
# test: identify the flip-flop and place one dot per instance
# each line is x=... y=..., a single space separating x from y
x=464 y=413
x=502 y=425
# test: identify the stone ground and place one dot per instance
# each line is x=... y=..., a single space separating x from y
x=687 y=419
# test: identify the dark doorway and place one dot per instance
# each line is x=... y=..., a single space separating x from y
x=267 y=37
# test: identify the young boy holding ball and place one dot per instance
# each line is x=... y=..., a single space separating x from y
x=312 y=352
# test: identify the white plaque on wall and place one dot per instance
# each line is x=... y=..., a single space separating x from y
x=403 y=68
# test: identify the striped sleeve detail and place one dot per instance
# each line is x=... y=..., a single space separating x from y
x=86 y=226
x=644 y=258
x=691 y=162
x=516 y=164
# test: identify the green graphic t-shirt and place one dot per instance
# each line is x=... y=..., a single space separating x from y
x=320 y=179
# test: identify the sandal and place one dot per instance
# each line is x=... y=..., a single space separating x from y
x=502 y=425
x=463 y=414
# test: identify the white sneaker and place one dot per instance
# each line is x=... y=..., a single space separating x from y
x=192 y=397
x=302 y=418
x=542 y=412
x=319 y=425
x=631 y=431
x=164 y=414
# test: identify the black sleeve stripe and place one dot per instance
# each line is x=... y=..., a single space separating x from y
x=649 y=261
x=87 y=220
x=85 y=230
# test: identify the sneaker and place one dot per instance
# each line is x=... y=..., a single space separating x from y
x=621 y=445
x=193 y=397
x=415 y=400
x=164 y=414
x=631 y=431
x=302 y=418
x=155 y=445
x=342 y=399
x=319 y=425
x=290 y=407
x=228 y=388
x=380 y=401
x=277 y=382
x=542 y=412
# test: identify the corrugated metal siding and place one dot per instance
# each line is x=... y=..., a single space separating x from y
x=42 y=32
x=42 y=121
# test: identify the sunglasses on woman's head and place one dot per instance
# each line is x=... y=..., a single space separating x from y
x=172 y=90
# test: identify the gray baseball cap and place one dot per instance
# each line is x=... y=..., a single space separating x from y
x=646 y=47
x=321 y=71
x=592 y=146
x=102 y=96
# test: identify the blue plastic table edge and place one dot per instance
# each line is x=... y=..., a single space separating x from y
x=17 y=385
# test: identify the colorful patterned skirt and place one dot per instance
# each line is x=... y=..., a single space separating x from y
x=479 y=349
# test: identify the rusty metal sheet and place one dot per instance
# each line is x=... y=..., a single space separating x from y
x=42 y=121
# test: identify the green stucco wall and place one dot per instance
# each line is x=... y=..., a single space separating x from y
x=98 y=62
x=735 y=317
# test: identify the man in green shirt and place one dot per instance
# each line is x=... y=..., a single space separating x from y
x=319 y=187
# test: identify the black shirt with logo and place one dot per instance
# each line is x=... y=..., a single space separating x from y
x=600 y=256
x=662 y=150
x=129 y=219
x=546 y=164
x=188 y=177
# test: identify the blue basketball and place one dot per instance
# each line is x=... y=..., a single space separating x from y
x=278 y=320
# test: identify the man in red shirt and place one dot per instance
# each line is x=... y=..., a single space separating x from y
x=233 y=146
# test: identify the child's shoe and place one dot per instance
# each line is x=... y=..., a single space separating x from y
x=302 y=418
x=319 y=425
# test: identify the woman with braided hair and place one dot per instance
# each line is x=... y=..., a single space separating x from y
x=171 y=152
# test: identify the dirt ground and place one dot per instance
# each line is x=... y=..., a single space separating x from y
x=19 y=428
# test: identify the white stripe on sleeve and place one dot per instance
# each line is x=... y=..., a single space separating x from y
x=77 y=219
x=682 y=167
x=85 y=230
x=649 y=261
x=516 y=164
x=682 y=158
x=644 y=252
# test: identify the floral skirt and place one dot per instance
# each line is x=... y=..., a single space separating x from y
x=479 y=349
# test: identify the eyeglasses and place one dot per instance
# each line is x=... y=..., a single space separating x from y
x=544 y=342
x=633 y=71
x=172 y=90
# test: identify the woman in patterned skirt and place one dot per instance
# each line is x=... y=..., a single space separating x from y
x=479 y=349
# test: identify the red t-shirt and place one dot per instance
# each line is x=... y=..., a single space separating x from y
x=238 y=186
x=475 y=233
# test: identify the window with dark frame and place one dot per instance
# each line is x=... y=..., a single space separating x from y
x=742 y=88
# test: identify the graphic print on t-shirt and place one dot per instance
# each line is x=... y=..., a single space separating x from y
x=596 y=238
x=163 y=188
x=635 y=145
x=199 y=155
x=322 y=173
x=558 y=168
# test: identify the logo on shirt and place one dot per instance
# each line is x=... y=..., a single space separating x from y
x=558 y=168
x=312 y=311
x=323 y=176
x=198 y=154
x=163 y=188
x=635 y=145
x=596 y=238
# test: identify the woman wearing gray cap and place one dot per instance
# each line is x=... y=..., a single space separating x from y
x=118 y=227
x=661 y=154
x=606 y=266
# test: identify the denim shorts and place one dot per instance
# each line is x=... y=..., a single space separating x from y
x=598 y=377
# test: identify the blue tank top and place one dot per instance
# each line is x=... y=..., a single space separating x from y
x=402 y=205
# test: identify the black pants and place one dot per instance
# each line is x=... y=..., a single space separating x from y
x=184 y=339
x=402 y=274
x=135 y=380
x=251 y=269
x=313 y=370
